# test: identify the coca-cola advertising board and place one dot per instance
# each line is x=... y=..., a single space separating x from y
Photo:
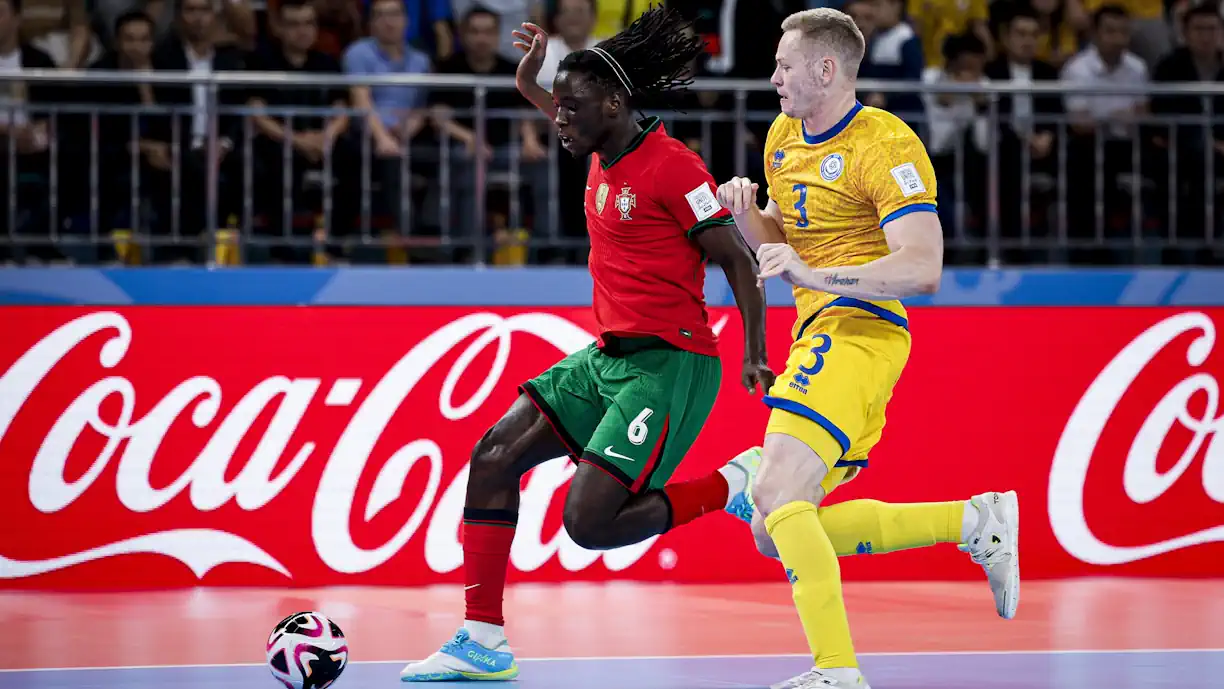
x=180 y=446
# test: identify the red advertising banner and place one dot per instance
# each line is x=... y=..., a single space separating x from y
x=157 y=446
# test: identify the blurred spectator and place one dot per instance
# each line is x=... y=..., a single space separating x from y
x=61 y=28
x=1060 y=23
x=302 y=143
x=479 y=31
x=121 y=142
x=936 y=20
x=1027 y=123
x=894 y=53
x=1103 y=127
x=429 y=26
x=863 y=12
x=1200 y=60
x=25 y=131
x=613 y=15
x=396 y=115
x=959 y=130
x=510 y=14
x=338 y=22
x=237 y=26
x=1151 y=34
x=748 y=35
x=572 y=24
x=191 y=49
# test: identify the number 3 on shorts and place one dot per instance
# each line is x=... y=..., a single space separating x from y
x=637 y=427
x=823 y=344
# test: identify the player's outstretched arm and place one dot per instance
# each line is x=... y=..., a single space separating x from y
x=726 y=249
x=533 y=41
x=756 y=226
x=914 y=267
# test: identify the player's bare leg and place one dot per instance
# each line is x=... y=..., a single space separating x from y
x=787 y=491
x=521 y=440
x=601 y=514
x=987 y=527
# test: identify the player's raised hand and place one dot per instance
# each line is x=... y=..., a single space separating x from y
x=533 y=41
x=781 y=260
x=738 y=195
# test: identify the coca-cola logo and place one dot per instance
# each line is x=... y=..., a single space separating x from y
x=1141 y=479
x=199 y=400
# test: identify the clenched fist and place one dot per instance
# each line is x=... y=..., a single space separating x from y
x=738 y=195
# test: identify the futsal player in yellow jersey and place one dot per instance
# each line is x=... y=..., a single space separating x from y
x=851 y=223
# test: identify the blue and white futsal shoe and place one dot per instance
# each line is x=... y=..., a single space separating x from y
x=740 y=472
x=462 y=659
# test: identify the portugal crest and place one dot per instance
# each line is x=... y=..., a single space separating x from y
x=601 y=197
x=625 y=202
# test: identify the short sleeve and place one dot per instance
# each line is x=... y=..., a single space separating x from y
x=899 y=178
x=686 y=190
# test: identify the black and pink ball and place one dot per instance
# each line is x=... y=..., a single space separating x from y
x=307 y=650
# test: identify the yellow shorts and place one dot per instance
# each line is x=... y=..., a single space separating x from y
x=839 y=377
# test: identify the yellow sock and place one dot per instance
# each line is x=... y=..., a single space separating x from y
x=863 y=527
x=811 y=565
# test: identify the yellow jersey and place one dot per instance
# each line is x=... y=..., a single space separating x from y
x=838 y=189
x=936 y=20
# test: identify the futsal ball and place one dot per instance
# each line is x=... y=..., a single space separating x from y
x=307 y=651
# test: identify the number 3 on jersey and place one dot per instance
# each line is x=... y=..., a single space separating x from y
x=823 y=344
x=801 y=205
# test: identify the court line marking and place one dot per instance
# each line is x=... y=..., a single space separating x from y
x=875 y=654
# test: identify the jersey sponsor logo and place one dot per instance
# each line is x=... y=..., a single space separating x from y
x=613 y=453
x=625 y=202
x=702 y=201
x=832 y=166
x=908 y=179
x=601 y=197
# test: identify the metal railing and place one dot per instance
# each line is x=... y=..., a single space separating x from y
x=90 y=188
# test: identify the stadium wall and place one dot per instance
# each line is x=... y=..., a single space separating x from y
x=302 y=427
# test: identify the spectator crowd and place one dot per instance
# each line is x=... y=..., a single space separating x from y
x=313 y=172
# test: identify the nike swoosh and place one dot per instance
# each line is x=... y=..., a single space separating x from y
x=613 y=453
x=468 y=588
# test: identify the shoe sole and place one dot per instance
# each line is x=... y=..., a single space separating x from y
x=457 y=676
x=1011 y=600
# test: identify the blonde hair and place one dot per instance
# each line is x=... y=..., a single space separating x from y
x=833 y=29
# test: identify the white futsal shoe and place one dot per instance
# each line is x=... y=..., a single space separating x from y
x=840 y=678
x=995 y=545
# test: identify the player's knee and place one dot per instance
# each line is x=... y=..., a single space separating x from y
x=583 y=529
x=493 y=454
x=790 y=472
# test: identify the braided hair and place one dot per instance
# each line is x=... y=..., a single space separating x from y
x=646 y=61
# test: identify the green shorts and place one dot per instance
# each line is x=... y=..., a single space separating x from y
x=633 y=414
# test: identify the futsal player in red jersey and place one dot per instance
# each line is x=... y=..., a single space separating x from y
x=628 y=407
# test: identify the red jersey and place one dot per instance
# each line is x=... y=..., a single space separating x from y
x=644 y=209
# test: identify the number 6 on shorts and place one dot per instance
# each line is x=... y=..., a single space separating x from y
x=637 y=427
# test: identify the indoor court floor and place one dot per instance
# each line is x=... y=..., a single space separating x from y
x=1077 y=634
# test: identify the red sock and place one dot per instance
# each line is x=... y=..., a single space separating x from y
x=487 y=536
x=691 y=499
